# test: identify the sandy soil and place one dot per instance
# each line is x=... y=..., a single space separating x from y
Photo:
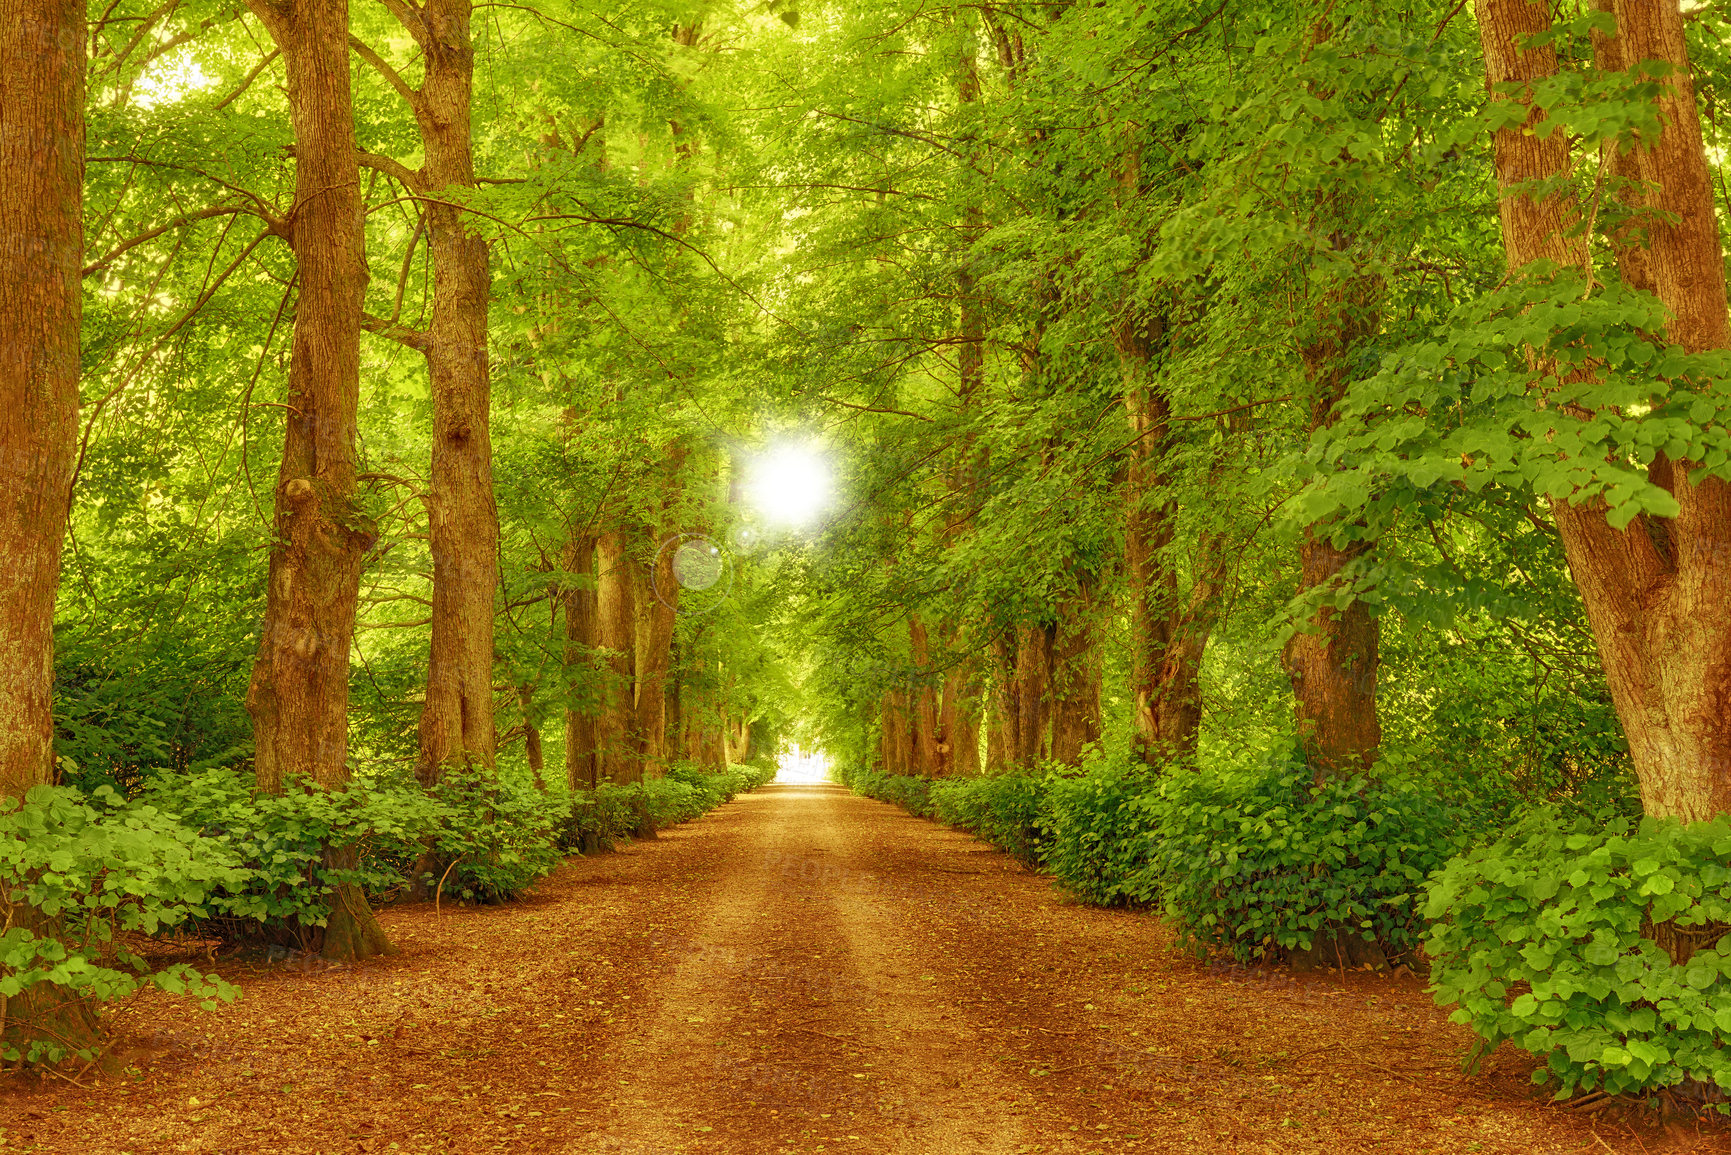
x=803 y=971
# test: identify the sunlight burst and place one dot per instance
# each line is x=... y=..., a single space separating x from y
x=790 y=484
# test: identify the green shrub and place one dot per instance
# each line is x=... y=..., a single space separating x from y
x=1097 y=837
x=499 y=836
x=911 y=793
x=95 y=872
x=1262 y=864
x=1003 y=809
x=1544 y=938
x=281 y=840
x=611 y=813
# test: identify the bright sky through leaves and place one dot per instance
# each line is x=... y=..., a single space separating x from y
x=790 y=484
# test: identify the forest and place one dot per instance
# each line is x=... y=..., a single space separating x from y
x=1247 y=480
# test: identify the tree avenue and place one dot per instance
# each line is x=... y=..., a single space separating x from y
x=1264 y=464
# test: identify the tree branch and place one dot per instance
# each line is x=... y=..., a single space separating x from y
x=247 y=82
x=409 y=178
x=392 y=77
x=177 y=222
x=401 y=334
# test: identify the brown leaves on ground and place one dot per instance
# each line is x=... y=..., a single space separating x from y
x=803 y=971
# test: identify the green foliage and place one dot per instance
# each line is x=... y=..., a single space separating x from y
x=79 y=875
x=1098 y=835
x=1545 y=939
x=281 y=840
x=613 y=813
x=905 y=790
x=496 y=836
x=1260 y=864
x=1004 y=809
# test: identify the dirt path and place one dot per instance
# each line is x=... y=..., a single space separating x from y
x=802 y=971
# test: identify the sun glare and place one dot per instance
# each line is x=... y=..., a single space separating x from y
x=789 y=485
x=800 y=765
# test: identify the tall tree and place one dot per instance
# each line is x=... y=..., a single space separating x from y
x=299 y=692
x=1657 y=591
x=456 y=722
x=41 y=273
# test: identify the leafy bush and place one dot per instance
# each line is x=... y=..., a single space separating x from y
x=1546 y=938
x=1262 y=864
x=498 y=836
x=611 y=813
x=905 y=790
x=280 y=839
x=1098 y=838
x=1003 y=809
x=74 y=878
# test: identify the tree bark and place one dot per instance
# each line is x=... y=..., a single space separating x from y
x=1075 y=674
x=926 y=759
x=457 y=723
x=582 y=764
x=532 y=748
x=1003 y=734
x=1333 y=661
x=1169 y=632
x=1658 y=596
x=299 y=692
x=41 y=258
x=659 y=620
x=41 y=263
x=1033 y=681
x=615 y=731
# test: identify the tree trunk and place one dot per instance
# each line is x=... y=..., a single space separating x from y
x=1168 y=632
x=1658 y=596
x=41 y=266
x=661 y=611
x=959 y=726
x=926 y=760
x=582 y=764
x=1075 y=676
x=615 y=730
x=41 y=262
x=1033 y=681
x=1333 y=660
x=1003 y=734
x=675 y=720
x=532 y=735
x=299 y=693
x=457 y=719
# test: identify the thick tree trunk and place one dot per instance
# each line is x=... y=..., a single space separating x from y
x=457 y=720
x=41 y=263
x=1658 y=597
x=926 y=759
x=898 y=742
x=616 y=727
x=660 y=616
x=1168 y=632
x=959 y=725
x=1076 y=674
x=582 y=763
x=1003 y=734
x=299 y=693
x=1333 y=666
x=532 y=748
x=1333 y=661
x=1033 y=681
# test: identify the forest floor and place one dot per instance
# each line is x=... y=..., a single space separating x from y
x=803 y=970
